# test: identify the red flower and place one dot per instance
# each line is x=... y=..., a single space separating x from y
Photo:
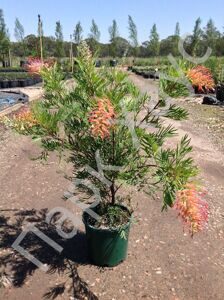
x=102 y=118
x=35 y=65
x=192 y=208
x=201 y=77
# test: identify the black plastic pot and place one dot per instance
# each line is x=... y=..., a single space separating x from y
x=220 y=92
x=23 y=63
x=156 y=75
x=22 y=82
x=4 y=84
x=13 y=83
x=196 y=90
x=203 y=90
x=106 y=247
x=146 y=74
x=113 y=63
x=39 y=79
x=30 y=81
x=98 y=64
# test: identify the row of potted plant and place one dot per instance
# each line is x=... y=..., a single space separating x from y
x=147 y=68
x=17 y=79
x=147 y=72
x=12 y=70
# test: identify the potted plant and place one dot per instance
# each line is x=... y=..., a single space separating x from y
x=4 y=83
x=220 y=92
x=22 y=82
x=13 y=82
x=115 y=140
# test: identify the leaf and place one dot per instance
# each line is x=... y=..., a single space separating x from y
x=176 y=113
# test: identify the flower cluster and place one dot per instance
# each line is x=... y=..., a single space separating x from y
x=192 y=208
x=21 y=121
x=84 y=52
x=201 y=78
x=35 y=65
x=26 y=116
x=102 y=118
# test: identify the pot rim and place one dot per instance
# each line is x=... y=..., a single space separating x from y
x=112 y=229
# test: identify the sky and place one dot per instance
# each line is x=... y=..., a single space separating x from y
x=165 y=13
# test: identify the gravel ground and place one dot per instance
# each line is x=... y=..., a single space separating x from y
x=163 y=262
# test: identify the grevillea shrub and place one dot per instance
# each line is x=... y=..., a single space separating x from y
x=201 y=78
x=115 y=137
x=175 y=86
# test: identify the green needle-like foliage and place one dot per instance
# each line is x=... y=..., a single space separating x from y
x=132 y=152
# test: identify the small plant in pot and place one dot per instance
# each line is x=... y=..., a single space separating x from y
x=116 y=140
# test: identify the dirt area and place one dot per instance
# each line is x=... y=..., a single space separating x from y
x=163 y=262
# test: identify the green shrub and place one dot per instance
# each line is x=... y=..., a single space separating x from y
x=216 y=66
x=92 y=123
x=173 y=83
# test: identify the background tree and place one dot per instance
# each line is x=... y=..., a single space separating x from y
x=175 y=40
x=114 y=34
x=133 y=35
x=122 y=46
x=177 y=29
x=117 y=46
x=169 y=46
x=77 y=35
x=196 y=38
x=32 y=43
x=143 y=50
x=94 y=37
x=59 y=40
x=50 y=46
x=211 y=35
x=94 y=31
x=220 y=45
x=154 y=41
x=19 y=31
x=4 y=38
x=19 y=34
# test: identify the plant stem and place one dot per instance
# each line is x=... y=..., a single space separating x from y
x=112 y=188
x=149 y=112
